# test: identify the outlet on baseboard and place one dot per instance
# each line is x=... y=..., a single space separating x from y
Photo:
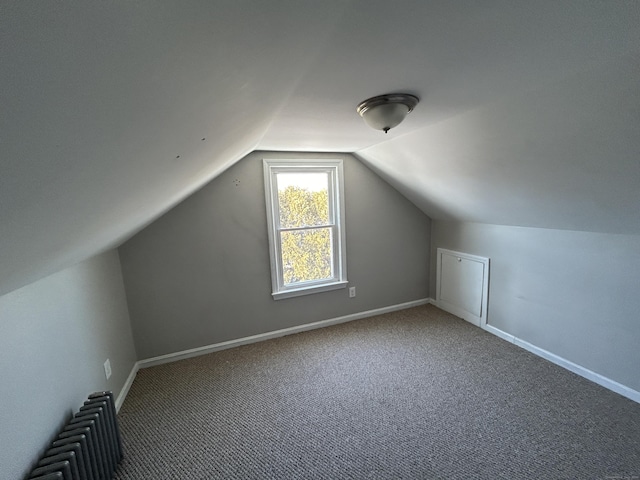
x=352 y=292
x=107 y=369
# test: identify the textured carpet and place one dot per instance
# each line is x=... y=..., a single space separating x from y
x=413 y=394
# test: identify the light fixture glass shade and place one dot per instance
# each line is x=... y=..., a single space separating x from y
x=387 y=111
x=385 y=116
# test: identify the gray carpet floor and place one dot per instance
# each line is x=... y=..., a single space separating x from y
x=415 y=394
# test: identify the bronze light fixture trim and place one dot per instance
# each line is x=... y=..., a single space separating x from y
x=387 y=111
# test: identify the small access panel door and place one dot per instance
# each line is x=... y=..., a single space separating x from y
x=462 y=285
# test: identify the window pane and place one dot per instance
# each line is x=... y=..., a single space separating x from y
x=306 y=255
x=303 y=199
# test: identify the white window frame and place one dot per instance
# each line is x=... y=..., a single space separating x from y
x=336 y=216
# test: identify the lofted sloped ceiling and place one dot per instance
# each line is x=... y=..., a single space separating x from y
x=114 y=111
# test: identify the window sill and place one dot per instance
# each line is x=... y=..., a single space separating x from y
x=309 y=290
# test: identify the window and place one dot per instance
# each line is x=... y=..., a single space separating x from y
x=305 y=216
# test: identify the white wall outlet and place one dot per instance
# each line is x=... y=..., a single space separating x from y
x=352 y=292
x=107 y=369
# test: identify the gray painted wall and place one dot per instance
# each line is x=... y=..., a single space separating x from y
x=56 y=334
x=200 y=274
x=574 y=294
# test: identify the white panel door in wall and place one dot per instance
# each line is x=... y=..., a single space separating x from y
x=462 y=285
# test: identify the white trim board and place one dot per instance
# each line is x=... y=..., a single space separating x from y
x=194 y=352
x=601 y=380
x=127 y=385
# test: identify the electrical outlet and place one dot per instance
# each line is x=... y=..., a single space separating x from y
x=107 y=369
x=352 y=292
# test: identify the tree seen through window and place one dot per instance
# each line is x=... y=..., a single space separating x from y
x=305 y=235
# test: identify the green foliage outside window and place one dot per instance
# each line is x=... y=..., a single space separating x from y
x=306 y=254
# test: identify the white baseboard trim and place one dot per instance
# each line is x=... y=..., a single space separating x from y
x=194 y=352
x=127 y=385
x=499 y=333
x=563 y=362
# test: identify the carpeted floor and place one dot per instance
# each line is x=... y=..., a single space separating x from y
x=413 y=394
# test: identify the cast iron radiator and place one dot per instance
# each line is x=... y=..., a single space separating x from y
x=88 y=447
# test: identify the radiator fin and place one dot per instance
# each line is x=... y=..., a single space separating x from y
x=89 y=447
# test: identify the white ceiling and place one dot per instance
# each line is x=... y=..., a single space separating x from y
x=529 y=113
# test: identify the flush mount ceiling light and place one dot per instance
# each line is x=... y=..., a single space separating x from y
x=387 y=111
